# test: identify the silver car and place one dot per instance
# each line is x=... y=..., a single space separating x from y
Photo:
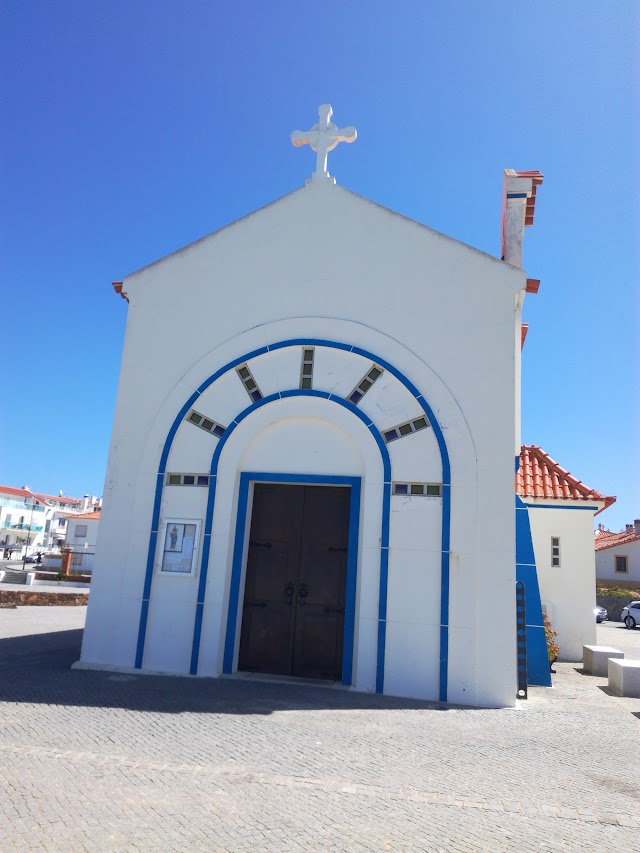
x=631 y=614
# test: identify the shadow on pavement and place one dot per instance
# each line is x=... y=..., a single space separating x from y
x=36 y=669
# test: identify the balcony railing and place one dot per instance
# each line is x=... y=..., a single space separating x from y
x=35 y=528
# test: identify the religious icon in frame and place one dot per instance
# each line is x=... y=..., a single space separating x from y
x=179 y=546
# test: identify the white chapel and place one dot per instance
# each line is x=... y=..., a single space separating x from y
x=311 y=472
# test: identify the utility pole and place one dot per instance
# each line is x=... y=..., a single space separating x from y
x=24 y=556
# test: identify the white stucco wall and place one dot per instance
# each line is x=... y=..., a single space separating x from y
x=84 y=545
x=567 y=591
x=606 y=563
x=324 y=263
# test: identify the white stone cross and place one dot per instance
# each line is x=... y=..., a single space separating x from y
x=323 y=137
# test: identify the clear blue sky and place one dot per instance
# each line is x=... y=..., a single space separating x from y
x=130 y=129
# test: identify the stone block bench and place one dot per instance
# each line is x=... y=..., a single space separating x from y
x=624 y=677
x=595 y=659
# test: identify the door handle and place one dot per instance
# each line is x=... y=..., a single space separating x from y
x=332 y=548
x=255 y=544
x=333 y=610
x=288 y=591
x=303 y=592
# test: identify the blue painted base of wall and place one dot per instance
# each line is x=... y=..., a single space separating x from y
x=538 y=669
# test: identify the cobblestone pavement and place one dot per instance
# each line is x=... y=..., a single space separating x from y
x=110 y=762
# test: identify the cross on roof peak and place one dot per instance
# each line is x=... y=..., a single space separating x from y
x=323 y=137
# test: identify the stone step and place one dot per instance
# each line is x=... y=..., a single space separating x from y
x=14 y=577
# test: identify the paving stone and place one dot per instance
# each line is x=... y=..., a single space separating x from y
x=89 y=761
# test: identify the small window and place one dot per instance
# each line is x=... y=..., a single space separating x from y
x=250 y=384
x=306 y=370
x=621 y=564
x=432 y=490
x=81 y=531
x=187 y=479
x=206 y=424
x=405 y=429
x=555 y=550
x=365 y=383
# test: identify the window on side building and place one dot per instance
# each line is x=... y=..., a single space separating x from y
x=621 y=564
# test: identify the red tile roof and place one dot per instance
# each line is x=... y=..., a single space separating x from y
x=21 y=493
x=58 y=498
x=601 y=533
x=607 y=539
x=90 y=515
x=539 y=476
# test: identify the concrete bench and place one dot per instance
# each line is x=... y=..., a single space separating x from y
x=595 y=659
x=624 y=677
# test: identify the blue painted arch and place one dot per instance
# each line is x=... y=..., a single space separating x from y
x=446 y=500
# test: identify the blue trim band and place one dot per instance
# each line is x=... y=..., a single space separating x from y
x=516 y=195
x=446 y=502
x=553 y=506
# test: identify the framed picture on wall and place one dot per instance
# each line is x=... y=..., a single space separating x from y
x=179 y=546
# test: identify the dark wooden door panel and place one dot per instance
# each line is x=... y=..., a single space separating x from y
x=266 y=637
x=317 y=650
x=319 y=625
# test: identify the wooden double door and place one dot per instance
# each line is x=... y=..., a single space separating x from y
x=294 y=599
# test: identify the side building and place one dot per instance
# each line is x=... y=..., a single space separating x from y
x=560 y=510
x=618 y=555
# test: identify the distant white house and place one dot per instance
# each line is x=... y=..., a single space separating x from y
x=34 y=521
x=60 y=507
x=82 y=535
x=618 y=554
x=22 y=521
x=561 y=510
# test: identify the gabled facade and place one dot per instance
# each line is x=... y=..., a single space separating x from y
x=311 y=466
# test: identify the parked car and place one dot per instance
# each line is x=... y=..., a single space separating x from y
x=34 y=558
x=600 y=614
x=631 y=614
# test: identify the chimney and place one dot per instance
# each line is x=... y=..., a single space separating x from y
x=518 y=202
x=636 y=524
x=629 y=528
